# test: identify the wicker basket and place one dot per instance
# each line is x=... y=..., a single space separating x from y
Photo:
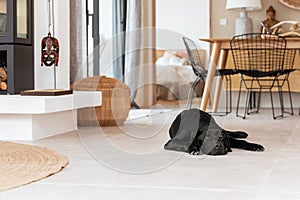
x=115 y=102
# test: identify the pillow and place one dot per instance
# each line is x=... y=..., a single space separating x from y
x=163 y=60
x=176 y=61
x=169 y=53
x=172 y=57
x=182 y=54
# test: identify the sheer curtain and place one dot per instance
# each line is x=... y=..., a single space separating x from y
x=78 y=39
x=133 y=45
x=140 y=45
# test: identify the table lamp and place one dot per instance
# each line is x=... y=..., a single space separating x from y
x=244 y=23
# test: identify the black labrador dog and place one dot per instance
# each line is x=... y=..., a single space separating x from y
x=196 y=132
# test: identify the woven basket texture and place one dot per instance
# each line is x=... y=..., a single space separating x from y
x=115 y=102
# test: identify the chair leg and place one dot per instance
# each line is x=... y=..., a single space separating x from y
x=251 y=101
x=191 y=93
x=272 y=103
x=228 y=97
x=258 y=101
x=246 y=103
x=255 y=104
x=290 y=96
x=230 y=94
x=238 y=100
x=249 y=98
x=281 y=98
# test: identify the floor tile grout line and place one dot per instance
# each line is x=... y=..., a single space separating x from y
x=267 y=176
x=152 y=115
x=280 y=154
x=150 y=187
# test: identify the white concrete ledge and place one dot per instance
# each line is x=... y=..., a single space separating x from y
x=36 y=117
x=17 y=104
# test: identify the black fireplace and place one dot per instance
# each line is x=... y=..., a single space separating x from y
x=16 y=46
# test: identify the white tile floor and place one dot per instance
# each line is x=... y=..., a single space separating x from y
x=129 y=163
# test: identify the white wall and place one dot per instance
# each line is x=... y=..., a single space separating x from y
x=219 y=12
x=189 y=18
x=44 y=76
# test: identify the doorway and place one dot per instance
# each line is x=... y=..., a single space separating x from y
x=106 y=20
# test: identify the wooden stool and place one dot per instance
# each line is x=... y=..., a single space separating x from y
x=115 y=102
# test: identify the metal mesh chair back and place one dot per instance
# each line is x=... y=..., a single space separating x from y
x=258 y=52
x=289 y=59
x=194 y=57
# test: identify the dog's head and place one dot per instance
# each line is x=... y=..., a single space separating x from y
x=215 y=143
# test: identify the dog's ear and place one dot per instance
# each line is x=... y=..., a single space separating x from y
x=199 y=139
x=225 y=138
x=175 y=126
x=229 y=149
x=210 y=139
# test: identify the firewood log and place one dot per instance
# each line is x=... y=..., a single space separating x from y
x=3 y=86
x=3 y=74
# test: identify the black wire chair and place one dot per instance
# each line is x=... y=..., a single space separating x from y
x=201 y=74
x=259 y=59
x=288 y=68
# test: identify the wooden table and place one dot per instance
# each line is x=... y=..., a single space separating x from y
x=219 y=55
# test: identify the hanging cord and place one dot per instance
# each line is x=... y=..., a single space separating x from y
x=54 y=67
x=49 y=16
x=51 y=24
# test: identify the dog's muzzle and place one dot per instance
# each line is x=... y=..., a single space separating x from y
x=222 y=146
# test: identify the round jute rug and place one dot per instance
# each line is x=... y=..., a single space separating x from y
x=22 y=164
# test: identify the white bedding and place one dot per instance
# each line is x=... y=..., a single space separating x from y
x=176 y=79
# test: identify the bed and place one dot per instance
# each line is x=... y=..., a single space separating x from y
x=174 y=74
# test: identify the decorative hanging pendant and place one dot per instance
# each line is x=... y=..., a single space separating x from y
x=50 y=45
x=50 y=51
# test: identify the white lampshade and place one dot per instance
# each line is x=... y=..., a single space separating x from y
x=247 y=4
x=244 y=23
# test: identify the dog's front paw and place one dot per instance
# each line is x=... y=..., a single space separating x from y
x=256 y=147
x=241 y=134
x=238 y=134
x=194 y=153
x=260 y=148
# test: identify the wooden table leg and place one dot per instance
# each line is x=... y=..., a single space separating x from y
x=211 y=74
x=223 y=60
